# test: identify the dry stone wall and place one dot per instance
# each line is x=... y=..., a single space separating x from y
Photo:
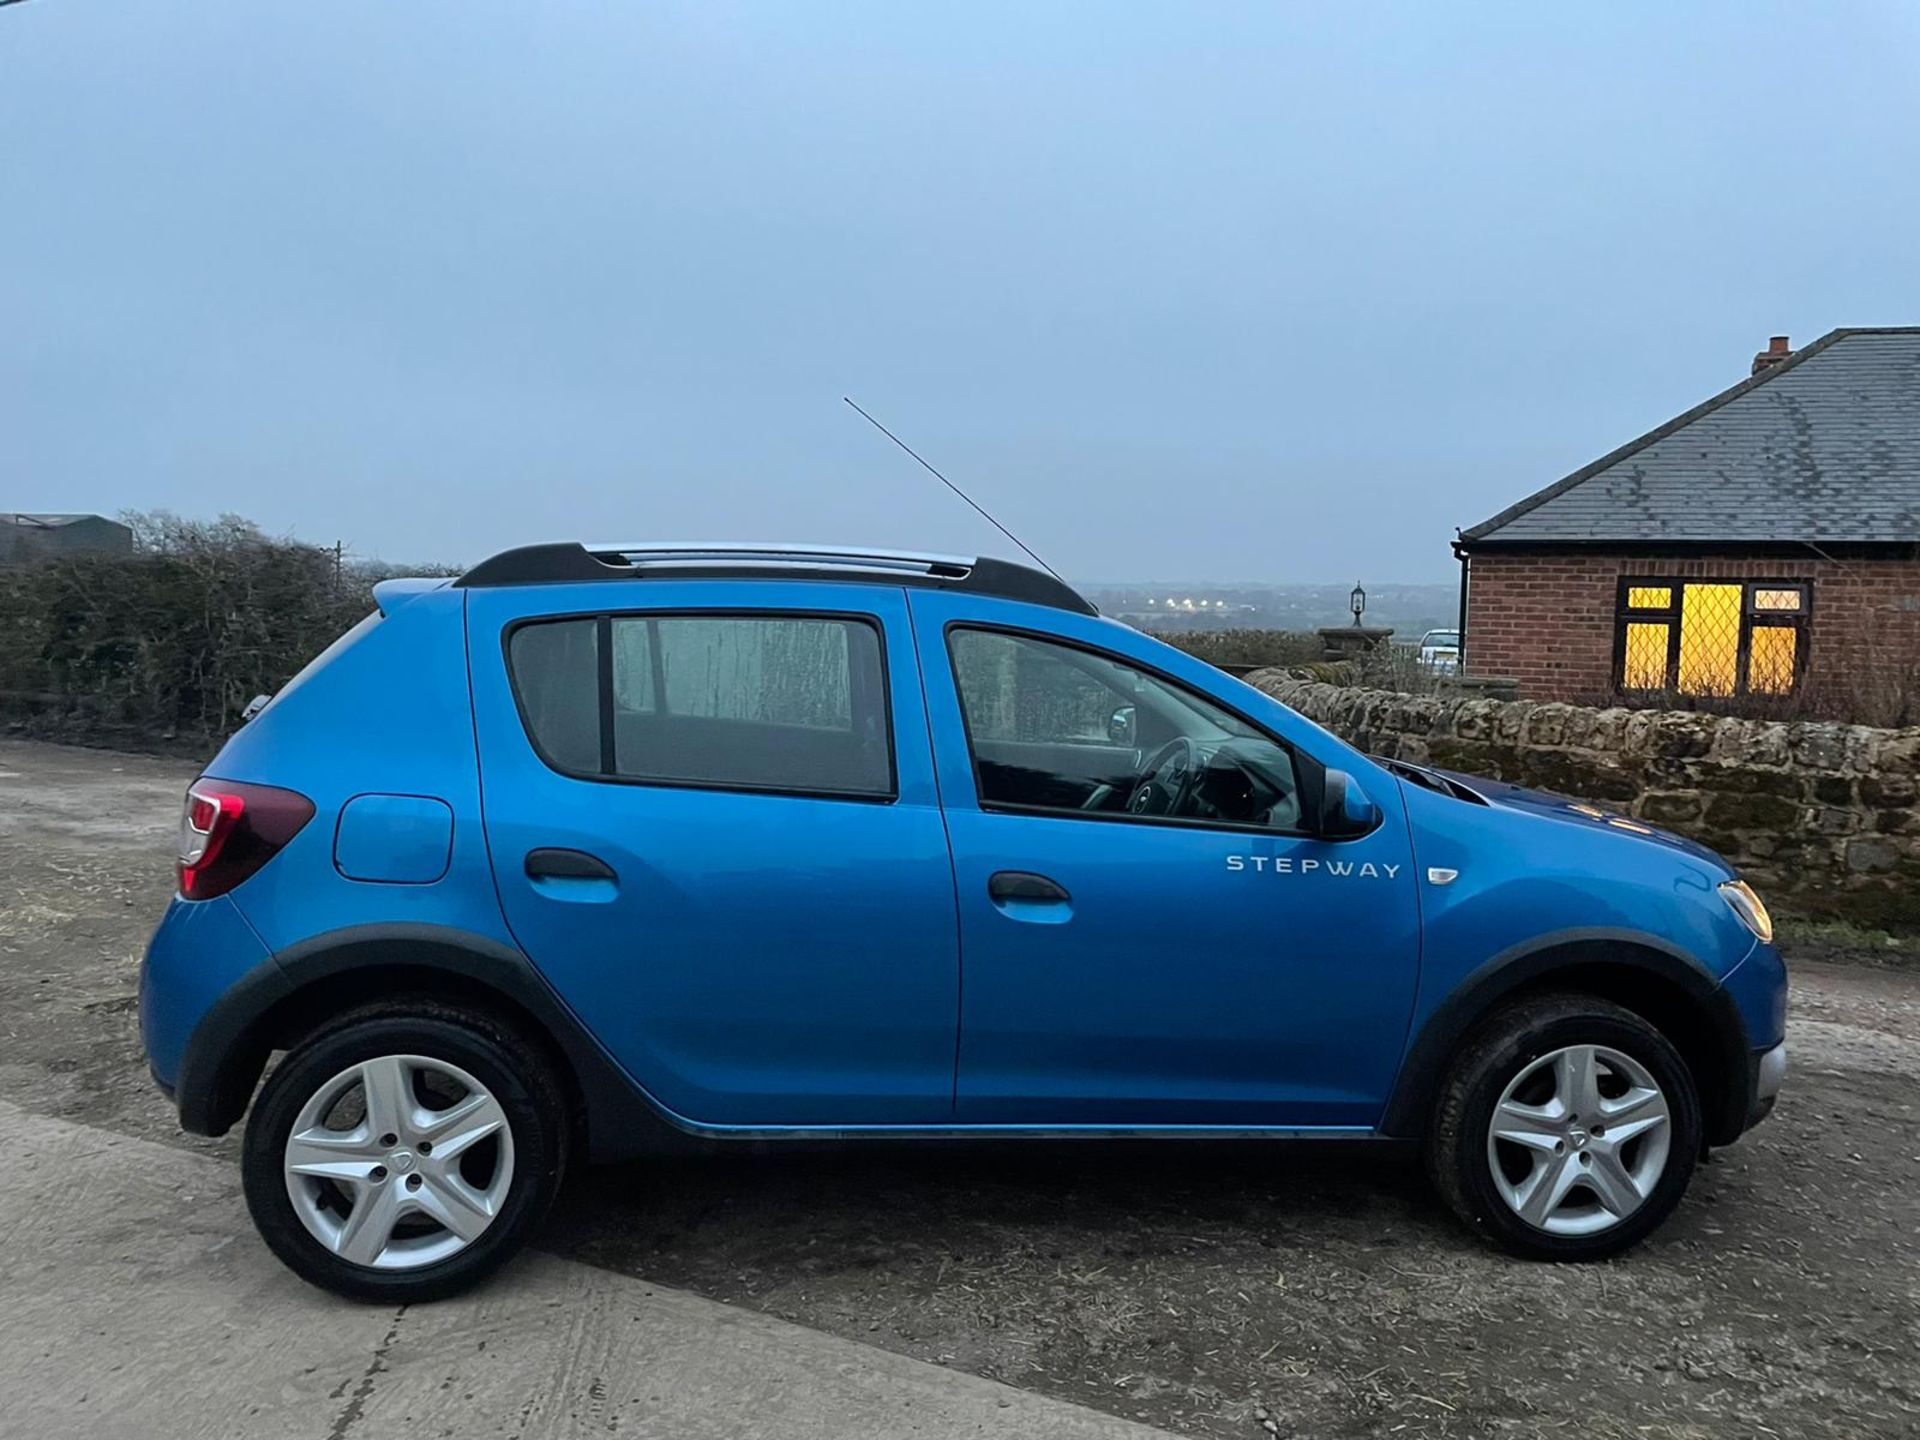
x=1822 y=816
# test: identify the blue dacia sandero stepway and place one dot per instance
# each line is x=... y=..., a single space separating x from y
x=594 y=848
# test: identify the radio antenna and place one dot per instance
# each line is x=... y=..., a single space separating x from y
x=980 y=509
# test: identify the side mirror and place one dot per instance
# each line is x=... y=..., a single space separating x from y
x=1345 y=810
x=1120 y=726
x=254 y=707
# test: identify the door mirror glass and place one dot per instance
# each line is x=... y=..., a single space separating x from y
x=1345 y=810
x=1120 y=726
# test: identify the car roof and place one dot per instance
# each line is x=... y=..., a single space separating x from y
x=571 y=562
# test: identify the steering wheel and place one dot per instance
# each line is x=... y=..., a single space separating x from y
x=1166 y=780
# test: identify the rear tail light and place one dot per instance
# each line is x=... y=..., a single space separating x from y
x=230 y=830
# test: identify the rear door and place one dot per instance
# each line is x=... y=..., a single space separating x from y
x=715 y=829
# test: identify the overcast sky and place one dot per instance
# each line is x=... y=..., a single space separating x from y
x=1265 y=292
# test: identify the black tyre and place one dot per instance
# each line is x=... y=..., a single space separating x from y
x=405 y=1151
x=1566 y=1128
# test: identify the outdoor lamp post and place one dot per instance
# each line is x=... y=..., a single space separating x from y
x=1347 y=642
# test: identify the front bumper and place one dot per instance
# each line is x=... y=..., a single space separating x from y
x=1769 y=1074
x=1757 y=990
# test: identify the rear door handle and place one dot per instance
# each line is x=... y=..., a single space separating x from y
x=1006 y=885
x=556 y=864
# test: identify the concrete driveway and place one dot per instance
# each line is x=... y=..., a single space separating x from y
x=137 y=1305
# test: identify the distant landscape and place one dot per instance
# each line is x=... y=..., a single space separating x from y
x=1176 y=607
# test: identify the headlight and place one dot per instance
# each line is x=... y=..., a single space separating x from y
x=1748 y=906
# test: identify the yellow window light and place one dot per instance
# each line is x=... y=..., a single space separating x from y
x=1777 y=601
x=1646 y=661
x=1770 y=659
x=1649 y=597
x=1709 y=639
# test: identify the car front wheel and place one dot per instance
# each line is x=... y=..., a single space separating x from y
x=1567 y=1129
x=404 y=1152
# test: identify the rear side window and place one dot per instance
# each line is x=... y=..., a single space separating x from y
x=761 y=702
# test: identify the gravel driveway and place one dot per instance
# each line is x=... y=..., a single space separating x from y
x=1218 y=1291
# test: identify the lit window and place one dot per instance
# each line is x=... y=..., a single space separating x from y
x=1646 y=657
x=1770 y=659
x=1709 y=639
x=1712 y=639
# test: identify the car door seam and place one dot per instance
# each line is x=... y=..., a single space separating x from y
x=953 y=870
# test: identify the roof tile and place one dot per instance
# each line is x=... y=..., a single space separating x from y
x=1825 y=446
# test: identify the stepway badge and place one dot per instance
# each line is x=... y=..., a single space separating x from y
x=1287 y=865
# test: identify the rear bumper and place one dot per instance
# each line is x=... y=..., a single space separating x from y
x=198 y=952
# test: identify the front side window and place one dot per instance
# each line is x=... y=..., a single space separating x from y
x=1062 y=730
x=760 y=702
x=1712 y=639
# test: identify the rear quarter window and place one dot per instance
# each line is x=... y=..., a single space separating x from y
x=556 y=670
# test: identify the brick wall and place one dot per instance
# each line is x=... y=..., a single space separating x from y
x=1823 y=816
x=1548 y=620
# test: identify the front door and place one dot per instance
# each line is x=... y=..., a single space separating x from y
x=1150 y=934
x=716 y=832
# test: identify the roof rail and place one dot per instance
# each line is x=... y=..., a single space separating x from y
x=722 y=552
x=571 y=562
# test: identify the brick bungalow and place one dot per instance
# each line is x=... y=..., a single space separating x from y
x=1765 y=543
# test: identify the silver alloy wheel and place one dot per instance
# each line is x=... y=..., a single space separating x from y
x=419 y=1168
x=1579 y=1139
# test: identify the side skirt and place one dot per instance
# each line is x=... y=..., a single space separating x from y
x=1018 y=1132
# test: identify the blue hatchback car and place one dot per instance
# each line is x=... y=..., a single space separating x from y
x=593 y=849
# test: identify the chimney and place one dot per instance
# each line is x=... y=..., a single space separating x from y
x=1776 y=351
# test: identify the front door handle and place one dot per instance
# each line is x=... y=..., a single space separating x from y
x=1006 y=885
x=556 y=864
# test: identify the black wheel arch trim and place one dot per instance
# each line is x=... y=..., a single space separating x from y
x=228 y=1050
x=1726 y=1099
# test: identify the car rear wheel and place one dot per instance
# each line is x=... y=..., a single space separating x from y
x=404 y=1152
x=1566 y=1129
